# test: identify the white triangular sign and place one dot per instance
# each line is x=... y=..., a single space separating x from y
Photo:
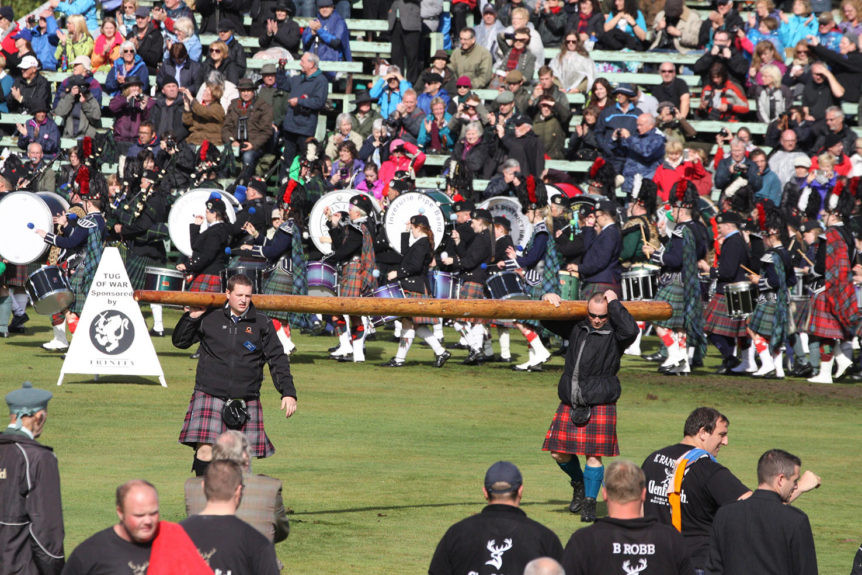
x=112 y=337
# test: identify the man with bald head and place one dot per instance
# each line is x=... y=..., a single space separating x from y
x=782 y=161
x=643 y=151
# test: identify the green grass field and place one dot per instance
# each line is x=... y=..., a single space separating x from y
x=377 y=462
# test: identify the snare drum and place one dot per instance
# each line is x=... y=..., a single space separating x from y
x=741 y=299
x=798 y=291
x=640 y=283
x=506 y=285
x=322 y=279
x=444 y=285
x=163 y=279
x=254 y=272
x=389 y=291
x=49 y=290
x=859 y=296
x=570 y=286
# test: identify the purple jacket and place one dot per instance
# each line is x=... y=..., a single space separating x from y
x=128 y=117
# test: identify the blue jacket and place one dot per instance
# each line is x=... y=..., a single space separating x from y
x=44 y=45
x=610 y=119
x=387 y=100
x=87 y=8
x=49 y=137
x=112 y=87
x=312 y=92
x=601 y=263
x=425 y=137
x=5 y=88
x=423 y=101
x=332 y=41
x=796 y=29
x=770 y=187
x=723 y=176
x=642 y=154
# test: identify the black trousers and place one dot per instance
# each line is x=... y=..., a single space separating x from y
x=405 y=52
x=616 y=39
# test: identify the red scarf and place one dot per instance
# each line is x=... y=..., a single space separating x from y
x=514 y=56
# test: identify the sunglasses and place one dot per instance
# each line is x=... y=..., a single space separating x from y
x=666 y=71
x=215 y=51
x=597 y=315
x=128 y=51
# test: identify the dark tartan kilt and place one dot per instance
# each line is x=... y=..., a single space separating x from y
x=763 y=318
x=717 y=320
x=472 y=290
x=279 y=282
x=203 y=424
x=350 y=280
x=674 y=294
x=207 y=283
x=588 y=290
x=136 y=267
x=21 y=274
x=823 y=323
x=800 y=309
x=79 y=283
x=597 y=438
x=420 y=320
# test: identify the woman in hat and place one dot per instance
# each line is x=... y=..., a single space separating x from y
x=364 y=115
x=412 y=275
x=208 y=257
x=439 y=65
x=278 y=32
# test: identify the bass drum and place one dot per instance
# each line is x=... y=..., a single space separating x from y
x=510 y=208
x=336 y=202
x=21 y=213
x=444 y=202
x=405 y=206
x=189 y=205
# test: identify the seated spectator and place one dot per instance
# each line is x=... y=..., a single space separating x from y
x=488 y=30
x=798 y=25
x=248 y=127
x=573 y=65
x=85 y=8
x=434 y=135
x=722 y=99
x=406 y=119
x=834 y=146
x=770 y=185
x=82 y=74
x=773 y=98
x=472 y=110
x=184 y=33
x=375 y=148
x=519 y=90
x=271 y=91
x=76 y=41
x=821 y=90
x=47 y=180
x=147 y=35
x=44 y=39
x=439 y=65
x=364 y=115
x=228 y=89
x=548 y=87
x=400 y=160
x=794 y=199
x=762 y=9
x=798 y=69
x=547 y=126
x=702 y=179
x=589 y=22
x=508 y=182
x=347 y=168
x=343 y=133
x=108 y=46
x=643 y=150
x=78 y=107
x=550 y=21
x=836 y=127
x=600 y=95
x=764 y=55
x=723 y=18
x=678 y=164
x=766 y=31
x=180 y=68
x=782 y=160
x=474 y=152
x=389 y=90
x=584 y=143
x=516 y=56
x=828 y=31
x=625 y=27
x=724 y=52
x=128 y=66
x=327 y=36
x=524 y=146
x=281 y=36
x=219 y=60
x=472 y=61
x=432 y=91
x=463 y=90
x=235 y=51
x=30 y=91
x=126 y=16
x=823 y=177
x=856 y=160
x=735 y=166
x=371 y=182
x=850 y=17
x=6 y=82
x=147 y=142
x=504 y=12
x=167 y=112
x=676 y=28
x=673 y=124
x=846 y=65
x=672 y=89
x=22 y=46
x=40 y=129
x=204 y=118
x=521 y=19
x=506 y=113
x=130 y=107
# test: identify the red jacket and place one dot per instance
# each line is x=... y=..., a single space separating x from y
x=666 y=176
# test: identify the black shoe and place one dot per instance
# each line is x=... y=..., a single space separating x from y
x=667 y=369
x=16 y=329
x=344 y=358
x=441 y=359
x=695 y=363
x=456 y=346
x=475 y=358
x=392 y=363
x=504 y=359
x=678 y=369
x=657 y=356
x=802 y=370
x=767 y=375
x=333 y=348
x=727 y=367
x=588 y=510
x=561 y=351
x=535 y=368
x=159 y=333
x=19 y=320
x=195 y=355
x=577 y=496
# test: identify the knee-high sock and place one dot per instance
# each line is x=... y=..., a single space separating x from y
x=505 y=342
x=487 y=342
x=593 y=480
x=398 y=328
x=438 y=330
x=404 y=343
x=477 y=336
x=158 y=323
x=434 y=343
x=573 y=469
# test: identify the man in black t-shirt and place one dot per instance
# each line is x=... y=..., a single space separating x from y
x=673 y=89
x=227 y=543
x=626 y=541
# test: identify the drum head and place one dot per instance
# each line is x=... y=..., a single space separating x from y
x=189 y=205
x=404 y=207
x=337 y=202
x=443 y=201
x=20 y=244
x=56 y=203
x=510 y=208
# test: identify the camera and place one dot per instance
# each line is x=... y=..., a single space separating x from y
x=171 y=143
x=724 y=133
x=31 y=20
x=138 y=99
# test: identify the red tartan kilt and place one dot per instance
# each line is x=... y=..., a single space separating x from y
x=21 y=274
x=420 y=320
x=350 y=280
x=597 y=438
x=718 y=321
x=203 y=424
x=206 y=283
x=824 y=323
x=472 y=290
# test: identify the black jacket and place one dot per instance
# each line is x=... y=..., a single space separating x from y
x=287 y=36
x=734 y=255
x=500 y=539
x=169 y=118
x=472 y=255
x=597 y=354
x=208 y=256
x=413 y=269
x=36 y=92
x=147 y=232
x=151 y=48
x=214 y=11
x=191 y=75
x=233 y=354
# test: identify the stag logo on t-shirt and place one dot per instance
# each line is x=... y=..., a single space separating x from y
x=497 y=552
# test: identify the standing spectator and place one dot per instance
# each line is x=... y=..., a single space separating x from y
x=547 y=126
x=85 y=8
x=129 y=66
x=248 y=127
x=642 y=150
x=76 y=41
x=327 y=36
x=550 y=21
x=79 y=109
x=472 y=60
x=516 y=56
x=107 y=47
x=724 y=52
x=677 y=27
x=722 y=99
x=32 y=527
x=488 y=30
x=573 y=65
x=220 y=60
x=204 y=118
x=272 y=93
x=625 y=27
x=30 y=90
x=44 y=38
x=306 y=97
x=180 y=68
x=130 y=107
x=405 y=28
x=147 y=35
x=389 y=90
x=281 y=32
x=439 y=65
x=364 y=115
x=214 y=12
x=167 y=112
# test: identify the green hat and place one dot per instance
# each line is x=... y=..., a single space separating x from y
x=27 y=400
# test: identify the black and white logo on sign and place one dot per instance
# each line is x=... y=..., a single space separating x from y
x=112 y=332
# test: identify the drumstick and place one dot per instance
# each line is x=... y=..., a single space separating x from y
x=748 y=270
x=801 y=253
x=643 y=235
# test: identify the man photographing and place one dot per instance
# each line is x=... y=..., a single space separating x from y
x=235 y=341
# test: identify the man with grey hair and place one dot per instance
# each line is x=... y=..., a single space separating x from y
x=835 y=124
x=643 y=151
x=625 y=541
x=263 y=507
x=735 y=166
x=544 y=566
x=306 y=97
